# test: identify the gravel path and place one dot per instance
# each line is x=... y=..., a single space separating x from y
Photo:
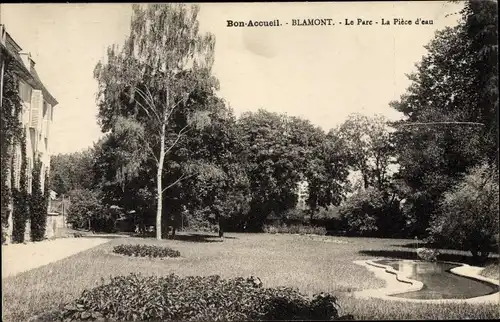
x=18 y=258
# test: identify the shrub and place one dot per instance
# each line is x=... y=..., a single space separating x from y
x=331 y=219
x=146 y=251
x=294 y=214
x=373 y=212
x=198 y=223
x=195 y=298
x=359 y=211
x=427 y=254
x=467 y=217
x=330 y=212
x=87 y=211
x=294 y=229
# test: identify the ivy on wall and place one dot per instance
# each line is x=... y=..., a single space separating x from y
x=38 y=203
x=46 y=194
x=11 y=129
x=21 y=199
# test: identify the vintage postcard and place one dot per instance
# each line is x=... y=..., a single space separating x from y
x=250 y=161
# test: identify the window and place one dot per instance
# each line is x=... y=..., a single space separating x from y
x=25 y=92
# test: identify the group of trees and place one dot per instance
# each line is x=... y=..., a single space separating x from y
x=172 y=147
x=448 y=141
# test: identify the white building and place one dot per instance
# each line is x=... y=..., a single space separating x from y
x=37 y=112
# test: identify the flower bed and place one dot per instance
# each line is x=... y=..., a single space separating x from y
x=146 y=251
x=195 y=298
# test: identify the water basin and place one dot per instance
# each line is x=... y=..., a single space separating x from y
x=439 y=282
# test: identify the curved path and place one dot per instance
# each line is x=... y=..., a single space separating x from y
x=18 y=258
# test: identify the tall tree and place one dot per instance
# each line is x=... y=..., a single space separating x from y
x=220 y=192
x=451 y=109
x=156 y=80
x=282 y=151
x=326 y=172
x=369 y=147
x=72 y=171
x=481 y=26
x=272 y=163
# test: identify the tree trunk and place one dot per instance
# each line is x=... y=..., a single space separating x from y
x=159 y=186
x=159 y=201
x=221 y=230
x=365 y=181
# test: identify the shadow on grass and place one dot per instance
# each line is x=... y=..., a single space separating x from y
x=190 y=237
x=412 y=245
x=105 y=236
x=199 y=238
x=399 y=254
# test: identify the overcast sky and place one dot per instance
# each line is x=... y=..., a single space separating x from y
x=322 y=73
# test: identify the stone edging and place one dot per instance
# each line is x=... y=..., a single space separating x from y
x=397 y=284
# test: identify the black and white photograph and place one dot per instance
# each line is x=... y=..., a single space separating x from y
x=253 y=161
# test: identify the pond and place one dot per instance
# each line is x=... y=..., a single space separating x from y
x=439 y=282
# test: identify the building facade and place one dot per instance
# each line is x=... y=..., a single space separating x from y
x=36 y=116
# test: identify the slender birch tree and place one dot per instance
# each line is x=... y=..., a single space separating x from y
x=153 y=80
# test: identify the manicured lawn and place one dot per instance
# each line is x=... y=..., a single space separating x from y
x=310 y=264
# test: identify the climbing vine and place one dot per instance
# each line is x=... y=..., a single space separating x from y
x=46 y=194
x=11 y=134
x=21 y=199
x=38 y=204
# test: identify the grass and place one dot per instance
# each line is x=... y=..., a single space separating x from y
x=377 y=309
x=311 y=265
x=492 y=271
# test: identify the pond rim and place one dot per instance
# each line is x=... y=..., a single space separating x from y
x=401 y=284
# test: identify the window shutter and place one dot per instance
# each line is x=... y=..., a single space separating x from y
x=36 y=106
x=40 y=116
x=47 y=123
x=47 y=120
